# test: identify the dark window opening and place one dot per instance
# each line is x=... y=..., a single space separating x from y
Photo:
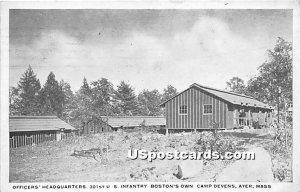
x=207 y=109
x=183 y=109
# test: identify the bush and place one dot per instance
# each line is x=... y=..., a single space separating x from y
x=144 y=174
x=283 y=140
x=211 y=140
x=256 y=125
x=281 y=151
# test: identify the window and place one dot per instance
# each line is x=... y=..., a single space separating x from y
x=207 y=109
x=183 y=109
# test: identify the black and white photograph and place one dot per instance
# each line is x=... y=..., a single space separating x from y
x=193 y=98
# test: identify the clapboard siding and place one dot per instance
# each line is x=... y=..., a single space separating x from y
x=195 y=99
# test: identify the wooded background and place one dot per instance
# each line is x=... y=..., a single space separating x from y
x=272 y=85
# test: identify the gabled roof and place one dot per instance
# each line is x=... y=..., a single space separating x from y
x=134 y=121
x=231 y=97
x=37 y=123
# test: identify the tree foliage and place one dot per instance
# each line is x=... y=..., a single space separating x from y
x=126 y=99
x=149 y=102
x=83 y=102
x=236 y=85
x=274 y=82
x=52 y=97
x=102 y=94
x=29 y=87
x=97 y=98
x=85 y=89
x=68 y=105
x=14 y=101
x=169 y=92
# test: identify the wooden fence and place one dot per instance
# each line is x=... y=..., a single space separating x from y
x=67 y=135
x=34 y=139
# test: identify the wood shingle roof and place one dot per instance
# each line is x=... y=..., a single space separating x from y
x=231 y=97
x=37 y=123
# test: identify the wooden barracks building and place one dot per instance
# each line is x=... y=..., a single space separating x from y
x=29 y=130
x=202 y=107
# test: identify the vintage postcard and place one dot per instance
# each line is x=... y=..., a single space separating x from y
x=141 y=96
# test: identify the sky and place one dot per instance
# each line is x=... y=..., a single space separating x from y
x=149 y=49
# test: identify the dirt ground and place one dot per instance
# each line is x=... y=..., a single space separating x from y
x=53 y=161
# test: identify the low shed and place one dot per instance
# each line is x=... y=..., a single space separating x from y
x=202 y=107
x=108 y=123
x=28 y=130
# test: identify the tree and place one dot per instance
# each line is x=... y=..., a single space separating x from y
x=14 y=100
x=169 y=92
x=102 y=94
x=92 y=100
x=126 y=98
x=236 y=85
x=29 y=87
x=52 y=97
x=274 y=82
x=83 y=104
x=68 y=104
x=85 y=88
x=149 y=102
x=67 y=92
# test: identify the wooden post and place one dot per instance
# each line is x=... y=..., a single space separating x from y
x=249 y=117
x=167 y=132
x=58 y=135
x=21 y=140
x=11 y=142
x=18 y=141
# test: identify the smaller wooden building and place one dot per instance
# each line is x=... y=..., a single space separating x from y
x=95 y=125
x=109 y=123
x=29 y=130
